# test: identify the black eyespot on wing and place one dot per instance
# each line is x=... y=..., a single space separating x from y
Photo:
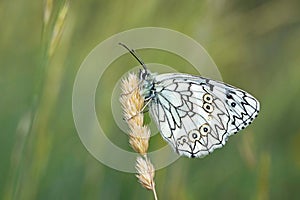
x=207 y=98
x=208 y=107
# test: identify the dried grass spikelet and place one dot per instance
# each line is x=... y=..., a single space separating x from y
x=146 y=172
x=139 y=134
x=139 y=139
x=132 y=103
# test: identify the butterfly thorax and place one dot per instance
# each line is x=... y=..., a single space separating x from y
x=147 y=84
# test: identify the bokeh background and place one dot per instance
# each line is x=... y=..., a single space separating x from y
x=255 y=44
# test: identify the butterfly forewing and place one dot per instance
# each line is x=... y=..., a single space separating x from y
x=196 y=115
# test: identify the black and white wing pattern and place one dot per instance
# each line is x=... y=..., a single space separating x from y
x=196 y=115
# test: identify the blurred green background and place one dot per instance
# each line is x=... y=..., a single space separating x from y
x=255 y=44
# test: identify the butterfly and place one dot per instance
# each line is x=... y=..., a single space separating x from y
x=194 y=114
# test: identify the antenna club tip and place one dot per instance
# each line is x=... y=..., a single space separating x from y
x=123 y=45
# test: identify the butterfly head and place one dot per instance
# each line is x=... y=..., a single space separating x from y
x=144 y=74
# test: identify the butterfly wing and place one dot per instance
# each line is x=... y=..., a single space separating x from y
x=196 y=115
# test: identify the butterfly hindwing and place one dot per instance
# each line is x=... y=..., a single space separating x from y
x=196 y=115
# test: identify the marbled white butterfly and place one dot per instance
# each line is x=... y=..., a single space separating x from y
x=195 y=115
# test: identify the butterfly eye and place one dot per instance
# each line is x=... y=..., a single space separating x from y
x=207 y=98
x=205 y=129
x=208 y=107
x=194 y=135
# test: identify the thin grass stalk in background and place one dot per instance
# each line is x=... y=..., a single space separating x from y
x=58 y=29
x=263 y=177
x=132 y=103
x=31 y=153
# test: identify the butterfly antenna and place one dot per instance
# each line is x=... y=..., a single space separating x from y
x=134 y=54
